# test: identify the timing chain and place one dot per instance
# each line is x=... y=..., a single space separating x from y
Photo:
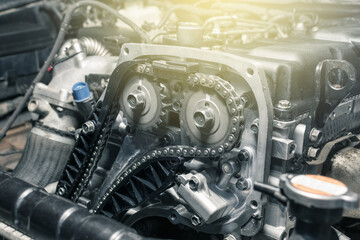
x=220 y=86
x=235 y=108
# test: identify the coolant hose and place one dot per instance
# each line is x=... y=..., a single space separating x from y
x=36 y=214
x=44 y=157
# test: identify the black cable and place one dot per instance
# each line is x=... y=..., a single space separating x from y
x=59 y=40
x=270 y=190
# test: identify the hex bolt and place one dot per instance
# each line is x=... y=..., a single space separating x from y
x=88 y=127
x=136 y=100
x=204 y=118
x=194 y=183
x=313 y=152
x=315 y=135
x=242 y=184
x=284 y=104
x=195 y=220
x=244 y=155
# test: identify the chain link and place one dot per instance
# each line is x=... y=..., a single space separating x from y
x=96 y=154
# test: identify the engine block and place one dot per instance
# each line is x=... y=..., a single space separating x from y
x=178 y=131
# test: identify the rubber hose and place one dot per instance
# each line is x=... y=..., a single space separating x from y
x=43 y=160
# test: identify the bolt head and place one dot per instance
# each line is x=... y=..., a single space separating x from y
x=194 y=183
x=136 y=100
x=88 y=127
x=254 y=127
x=244 y=155
x=242 y=184
x=284 y=104
x=313 y=152
x=204 y=118
x=315 y=135
x=195 y=220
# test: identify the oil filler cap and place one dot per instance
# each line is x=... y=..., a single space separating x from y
x=315 y=191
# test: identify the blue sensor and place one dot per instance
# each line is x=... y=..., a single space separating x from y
x=80 y=92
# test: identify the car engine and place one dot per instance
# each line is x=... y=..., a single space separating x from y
x=167 y=116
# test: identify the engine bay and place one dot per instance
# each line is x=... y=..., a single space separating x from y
x=179 y=119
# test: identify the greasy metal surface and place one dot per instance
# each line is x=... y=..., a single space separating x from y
x=345 y=166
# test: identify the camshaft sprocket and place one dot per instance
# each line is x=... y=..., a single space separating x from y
x=140 y=101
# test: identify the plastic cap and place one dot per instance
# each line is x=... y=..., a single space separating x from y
x=318 y=191
x=80 y=92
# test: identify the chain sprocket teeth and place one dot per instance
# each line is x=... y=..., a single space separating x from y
x=156 y=100
x=203 y=82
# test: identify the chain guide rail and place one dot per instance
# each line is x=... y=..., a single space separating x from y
x=81 y=165
x=79 y=168
x=116 y=199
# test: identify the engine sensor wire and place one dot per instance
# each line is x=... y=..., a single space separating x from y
x=59 y=40
x=271 y=191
